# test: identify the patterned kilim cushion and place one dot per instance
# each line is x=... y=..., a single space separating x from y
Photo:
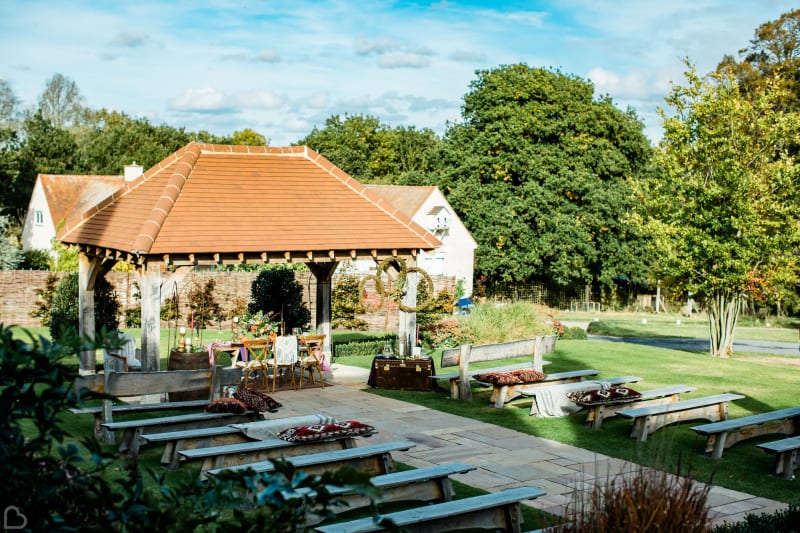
x=257 y=401
x=607 y=395
x=511 y=377
x=315 y=432
x=226 y=405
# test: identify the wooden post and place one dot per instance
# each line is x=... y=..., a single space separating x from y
x=323 y=272
x=150 y=285
x=464 y=390
x=538 y=350
x=407 y=329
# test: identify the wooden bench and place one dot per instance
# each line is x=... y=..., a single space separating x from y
x=502 y=394
x=786 y=455
x=374 y=459
x=494 y=511
x=133 y=430
x=138 y=384
x=426 y=484
x=466 y=354
x=190 y=439
x=647 y=420
x=219 y=457
x=722 y=435
x=597 y=413
x=552 y=400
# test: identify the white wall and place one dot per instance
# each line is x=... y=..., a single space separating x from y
x=38 y=236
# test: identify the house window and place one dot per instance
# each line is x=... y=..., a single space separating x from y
x=38 y=217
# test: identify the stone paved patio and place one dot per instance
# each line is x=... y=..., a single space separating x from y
x=505 y=458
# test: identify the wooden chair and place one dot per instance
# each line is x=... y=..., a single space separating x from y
x=257 y=355
x=311 y=358
x=284 y=358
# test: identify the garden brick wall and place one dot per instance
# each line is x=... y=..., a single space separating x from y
x=18 y=294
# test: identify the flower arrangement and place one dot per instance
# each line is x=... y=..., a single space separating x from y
x=258 y=325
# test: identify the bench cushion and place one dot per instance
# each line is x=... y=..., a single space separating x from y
x=511 y=377
x=603 y=395
x=257 y=401
x=226 y=405
x=315 y=432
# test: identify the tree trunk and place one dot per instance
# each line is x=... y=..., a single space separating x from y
x=723 y=312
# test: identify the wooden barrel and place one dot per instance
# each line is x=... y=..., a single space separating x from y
x=188 y=361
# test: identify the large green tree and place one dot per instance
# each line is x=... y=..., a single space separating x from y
x=725 y=215
x=539 y=171
x=116 y=140
x=371 y=152
x=773 y=56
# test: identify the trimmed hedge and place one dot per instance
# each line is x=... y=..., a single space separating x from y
x=367 y=347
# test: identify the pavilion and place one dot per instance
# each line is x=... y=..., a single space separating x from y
x=208 y=204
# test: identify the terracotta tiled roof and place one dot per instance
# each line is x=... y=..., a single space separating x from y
x=67 y=194
x=219 y=199
x=408 y=199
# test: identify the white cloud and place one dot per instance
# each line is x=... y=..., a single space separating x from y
x=129 y=39
x=260 y=99
x=204 y=100
x=268 y=56
x=631 y=85
x=404 y=60
x=318 y=100
x=364 y=47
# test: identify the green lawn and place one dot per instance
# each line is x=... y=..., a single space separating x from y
x=743 y=467
x=673 y=325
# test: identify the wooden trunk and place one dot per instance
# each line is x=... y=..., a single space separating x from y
x=188 y=361
x=403 y=374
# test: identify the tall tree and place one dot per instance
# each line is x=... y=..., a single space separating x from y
x=371 y=152
x=248 y=137
x=539 y=171
x=725 y=216
x=116 y=140
x=773 y=56
x=61 y=103
x=9 y=105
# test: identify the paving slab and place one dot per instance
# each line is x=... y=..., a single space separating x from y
x=505 y=458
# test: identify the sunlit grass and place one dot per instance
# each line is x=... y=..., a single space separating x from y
x=743 y=467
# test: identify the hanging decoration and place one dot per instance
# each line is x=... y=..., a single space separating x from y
x=399 y=290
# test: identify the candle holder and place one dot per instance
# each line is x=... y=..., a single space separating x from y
x=182 y=340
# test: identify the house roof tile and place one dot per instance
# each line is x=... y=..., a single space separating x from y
x=207 y=199
x=66 y=194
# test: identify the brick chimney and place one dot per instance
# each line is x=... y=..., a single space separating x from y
x=133 y=171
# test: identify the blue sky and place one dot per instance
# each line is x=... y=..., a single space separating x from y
x=282 y=68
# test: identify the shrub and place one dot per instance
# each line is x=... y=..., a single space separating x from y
x=782 y=521
x=133 y=317
x=574 y=333
x=64 y=310
x=35 y=260
x=369 y=347
x=445 y=334
x=645 y=500
x=41 y=309
x=203 y=305
x=276 y=292
x=490 y=324
x=346 y=299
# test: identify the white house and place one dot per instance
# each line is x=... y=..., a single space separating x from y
x=427 y=206
x=56 y=196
